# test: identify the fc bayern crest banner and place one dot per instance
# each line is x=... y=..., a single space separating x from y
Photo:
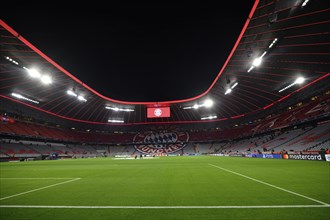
x=160 y=142
x=161 y=112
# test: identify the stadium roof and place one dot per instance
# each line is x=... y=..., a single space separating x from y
x=282 y=53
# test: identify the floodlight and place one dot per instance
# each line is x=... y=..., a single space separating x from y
x=45 y=79
x=257 y=61
x=208 y=103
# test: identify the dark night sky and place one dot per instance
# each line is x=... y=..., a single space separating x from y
x=133 y=52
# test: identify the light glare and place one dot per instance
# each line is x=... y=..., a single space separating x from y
x=119 y=109
x=300 y=80
x=70 y=92
x=209 y=117
x=19 y=96
x=228 y=91
x=115 y=121
x=45 y=79
x=208 y=103
x=304 y=3
x=257 y=61
x=233 y=86
x=251 y=68
x=34 y=73
x=81 y=98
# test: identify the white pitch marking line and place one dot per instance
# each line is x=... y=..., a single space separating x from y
x=45 y=187
x=268 y=184
x=164 y=207
x=34 y=178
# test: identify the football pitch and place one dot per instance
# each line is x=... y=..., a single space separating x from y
x=196 y=187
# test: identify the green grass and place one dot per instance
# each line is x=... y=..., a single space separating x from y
x=166 y=181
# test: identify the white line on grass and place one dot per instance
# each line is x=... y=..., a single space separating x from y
x=163 y=207
x=34 y=178
x=268 y=184
x=45 y=187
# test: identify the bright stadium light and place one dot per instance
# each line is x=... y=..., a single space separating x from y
x=72 y=93
x=115 y=121
x=119 y=109
x=304 y=3
x=45 y=79
x=196 y=106
x=257 y=61
x=228 y=91
x=272 y=44
x=251 y=68
x=299 y=80
x=34 y=73
x=19 y=96
x=208 y=103
x=81 y=98
x=209 y=117
x=11 y=60
x=235 y=84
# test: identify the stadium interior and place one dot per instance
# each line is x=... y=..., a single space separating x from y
x=254 y=145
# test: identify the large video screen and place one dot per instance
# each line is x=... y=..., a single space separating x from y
x=160 y=112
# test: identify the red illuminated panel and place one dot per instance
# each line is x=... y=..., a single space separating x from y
x=161 y=112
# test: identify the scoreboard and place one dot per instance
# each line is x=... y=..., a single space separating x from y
x=158 y=112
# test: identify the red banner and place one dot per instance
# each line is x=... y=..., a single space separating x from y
x=160 y=112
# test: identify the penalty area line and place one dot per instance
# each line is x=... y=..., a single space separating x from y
x=41 y=188
x=271 y=185
x=164 y=207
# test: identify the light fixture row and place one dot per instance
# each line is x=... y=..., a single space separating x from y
x=33 y=73
x=207 y=103
x=79 y=97
x=119 y=109
x=19 y=96
x=12 y=60
x=231 y=88
x=257 y=61
x=299 y=80
x=44 y=78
